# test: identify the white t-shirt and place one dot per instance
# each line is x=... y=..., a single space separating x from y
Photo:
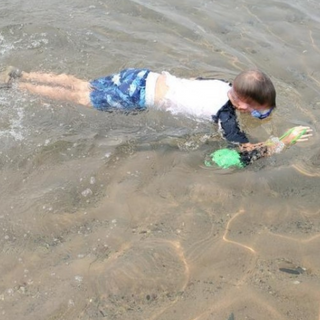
x=195 y=98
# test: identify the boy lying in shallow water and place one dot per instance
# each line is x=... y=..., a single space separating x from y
x=252 y=92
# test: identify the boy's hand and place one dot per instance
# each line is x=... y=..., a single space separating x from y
x=296 y=134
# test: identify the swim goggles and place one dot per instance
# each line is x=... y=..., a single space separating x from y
x=259 y=115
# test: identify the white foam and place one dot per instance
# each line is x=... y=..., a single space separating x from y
x=4 y=46
x=14 y=127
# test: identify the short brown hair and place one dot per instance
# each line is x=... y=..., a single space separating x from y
x=255 y=85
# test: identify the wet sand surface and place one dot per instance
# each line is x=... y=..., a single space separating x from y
x=115 y=216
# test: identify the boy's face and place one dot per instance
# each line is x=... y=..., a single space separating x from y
x=249 y=106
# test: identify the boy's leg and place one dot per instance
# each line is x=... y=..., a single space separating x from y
x=63 y=80
x=58 y=93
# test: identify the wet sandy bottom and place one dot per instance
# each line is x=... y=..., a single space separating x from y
x=165 y=242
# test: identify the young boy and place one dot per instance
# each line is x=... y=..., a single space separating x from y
x=252 y=91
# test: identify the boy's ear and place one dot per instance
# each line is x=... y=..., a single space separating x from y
x=242 y=106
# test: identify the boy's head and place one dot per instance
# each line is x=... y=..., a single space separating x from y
x=253 y=91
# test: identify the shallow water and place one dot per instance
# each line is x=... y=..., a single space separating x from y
x=115 y=216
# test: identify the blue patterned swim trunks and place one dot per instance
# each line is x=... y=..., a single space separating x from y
x=124 y=90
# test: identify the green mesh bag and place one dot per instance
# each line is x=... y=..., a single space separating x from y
x=224 y=158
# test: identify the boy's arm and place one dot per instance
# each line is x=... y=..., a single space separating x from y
x=250 y=152
x=229 y=126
